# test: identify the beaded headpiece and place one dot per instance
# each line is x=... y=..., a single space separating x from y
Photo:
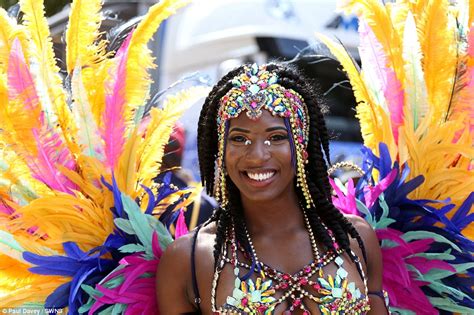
x=254 y=90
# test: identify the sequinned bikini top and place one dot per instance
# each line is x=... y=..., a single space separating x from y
x=335 y=294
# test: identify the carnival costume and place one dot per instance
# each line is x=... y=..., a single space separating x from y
x=79 y=212
x=415 y=106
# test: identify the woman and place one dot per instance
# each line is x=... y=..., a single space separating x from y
x=276 y=244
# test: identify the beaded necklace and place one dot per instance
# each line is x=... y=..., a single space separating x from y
x=335 y=294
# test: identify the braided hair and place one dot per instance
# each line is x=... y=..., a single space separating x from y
x=324 y=213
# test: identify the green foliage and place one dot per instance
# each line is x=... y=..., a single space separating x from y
x=52 y=6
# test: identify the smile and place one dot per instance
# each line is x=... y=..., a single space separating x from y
x=260 y=177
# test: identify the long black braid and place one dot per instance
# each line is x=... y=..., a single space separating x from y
x=316 y=169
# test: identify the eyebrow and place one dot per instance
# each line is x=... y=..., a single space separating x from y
x=237 y=129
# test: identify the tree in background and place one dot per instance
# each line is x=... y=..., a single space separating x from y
x=51 y=6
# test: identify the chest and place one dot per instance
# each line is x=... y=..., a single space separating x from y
x=333 y=283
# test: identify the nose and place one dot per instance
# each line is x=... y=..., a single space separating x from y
x=257 y=152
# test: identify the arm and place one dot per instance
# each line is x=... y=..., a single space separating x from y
x=173 y=277
x=374 y=264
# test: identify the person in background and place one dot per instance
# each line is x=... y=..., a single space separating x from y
x=201 y=209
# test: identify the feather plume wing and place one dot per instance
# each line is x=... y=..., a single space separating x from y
x=8 y=32
x=48 y=83
x=378 y=18
x=415 y=86
x=65 y=218
x=159 y=130
x=464 y=101
x=22 y=112
x=383 y=78
x=34 y=138
x=88 y=132
x=82 y=34
x=375 y=123
x=437 y=33
x=113 y=133
x=18 y=286
x=140 y=59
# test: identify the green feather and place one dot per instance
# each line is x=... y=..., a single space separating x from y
x=449 y=305
x=419 y=235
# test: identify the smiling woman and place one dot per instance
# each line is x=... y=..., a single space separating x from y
x=276 y=244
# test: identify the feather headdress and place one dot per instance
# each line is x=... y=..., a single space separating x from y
x=78 y=206
x=416 y=75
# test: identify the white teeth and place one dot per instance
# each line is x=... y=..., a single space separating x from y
x=260 y=176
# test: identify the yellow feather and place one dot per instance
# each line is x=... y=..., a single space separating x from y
x=375 y=123
x=438 y=41
x=94 y=78
x=471 y=12
x=48 y=81
x=82 y=34
x=378 y=18
x=126 y=170
x=19 y=286
x=8 y=32
x=140 y=59
x=63 y=217
x=159 y=129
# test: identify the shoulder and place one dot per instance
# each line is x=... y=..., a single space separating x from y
x=174 y=276
x=181 y=249
x=364 y=229
x=176 y=258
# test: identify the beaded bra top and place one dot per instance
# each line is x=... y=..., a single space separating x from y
x=335 y=294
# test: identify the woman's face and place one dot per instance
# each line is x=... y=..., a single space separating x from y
x=260 y=171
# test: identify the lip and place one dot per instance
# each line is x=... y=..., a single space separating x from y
x=259 y=184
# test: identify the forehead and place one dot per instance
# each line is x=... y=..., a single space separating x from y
x=266 y=120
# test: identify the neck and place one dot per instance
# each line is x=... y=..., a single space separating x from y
x=276 y=216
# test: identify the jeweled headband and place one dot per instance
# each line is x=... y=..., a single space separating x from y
x=254 y=90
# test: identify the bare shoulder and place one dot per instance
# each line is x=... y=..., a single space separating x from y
x=364 y=229
x=181 y=249
x=174 y=276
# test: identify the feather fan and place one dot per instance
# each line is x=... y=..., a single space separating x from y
x=57 y=209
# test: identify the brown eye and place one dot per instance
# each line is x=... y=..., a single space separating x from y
x=278 y=138
x=238 y=139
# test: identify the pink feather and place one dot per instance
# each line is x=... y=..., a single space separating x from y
x=372 y=53
x=468 y=91
x=181 y=228
x=346 y=204
x=135 y=291
x=20 y=80
x=5 y=209
x=398 y=281
x=115 y=101
x=51 y=151
x=371 y=194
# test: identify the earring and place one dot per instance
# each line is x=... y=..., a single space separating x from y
x=267 y=142
x=248 y=142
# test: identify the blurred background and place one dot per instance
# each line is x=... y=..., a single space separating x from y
x=211 y=37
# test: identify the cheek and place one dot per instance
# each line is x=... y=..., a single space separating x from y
x=230 y=157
